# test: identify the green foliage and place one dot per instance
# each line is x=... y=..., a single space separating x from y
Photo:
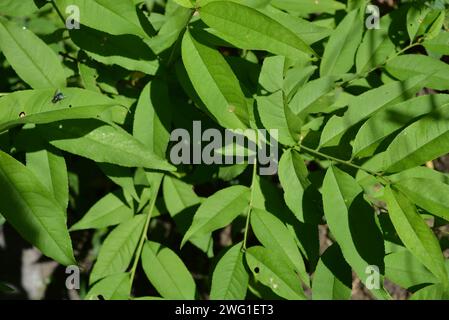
x=86 y=117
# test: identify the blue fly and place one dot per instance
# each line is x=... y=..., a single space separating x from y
x=57 y=97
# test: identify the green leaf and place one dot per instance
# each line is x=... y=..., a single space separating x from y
x=126 y=51
x=215 y=83
x=110 y=210
x=101 y=142
x=178 y=195
x=300 y=196
x=420 y=172
x=415 y=18
x=118 y=248
x=309 y=32
x=339 y=53
x=313 y=96
x=250 y=29
x=174 y=24
x=153 y=116
x=50 y=168
x=305 y=7
x=268 y=268
x=333 y=276
x=273 y=114
x=274 y=235
x=121 y=176
x=271 y=76
x=439 y=44
x=424 y=140
x=414 y=233
x=185 y=3
x=113 y=287
x=376 y=47
x=33 y=211
x=218 y=210
x=432 y=292
x=117 y=17
x=373 y=101
x=404 y=66
x=351 y=220
x=230 y=278
x=35 y=106
x=17 y=8
x=167 y=273
x=405 y=270
x=428 y=194
x=387 y=121
x=31 y=58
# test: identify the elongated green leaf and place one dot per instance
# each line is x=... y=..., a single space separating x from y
x=271 y=76
x=215 y=83
x=271 y=270
x=126 y=51
x=424 y=140
x=108 y=211
x=372 y=101
x=36 y=106
x=273 y=114
x=419 y=172
x=313 y=96
x=309 y=32
x=30 y=57
x=339 y=53
x=439 y=44
x=152 y=117
x=17 y=8
x=405 y=270
x=305 y=7
x=301 y=198
x=33 y=211
x=415 y=233
x=351 y=221
x=415 y=17
x=428 y=194
x=230 y=278
x=118 y=248
x=333 y=276
x=178 y=195
x=250 y=29
x=274 y=235
x=117 y=17
x=121 y=176
x=50 y=168
x=174 y=24
x=167 y=273
x=99 y=141
x=113 y=287
x=386 y=122
x=218 y=210
x=376 y=47
x=432 y=292
x=404 y=66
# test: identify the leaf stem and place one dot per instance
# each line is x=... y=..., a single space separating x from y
x=143 y=236
x=344 y=162
x=250 y=206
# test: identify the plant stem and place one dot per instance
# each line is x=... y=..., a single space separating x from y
x=143 y=236
x=53 y=3
x=250 y=206
x=345 y=162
